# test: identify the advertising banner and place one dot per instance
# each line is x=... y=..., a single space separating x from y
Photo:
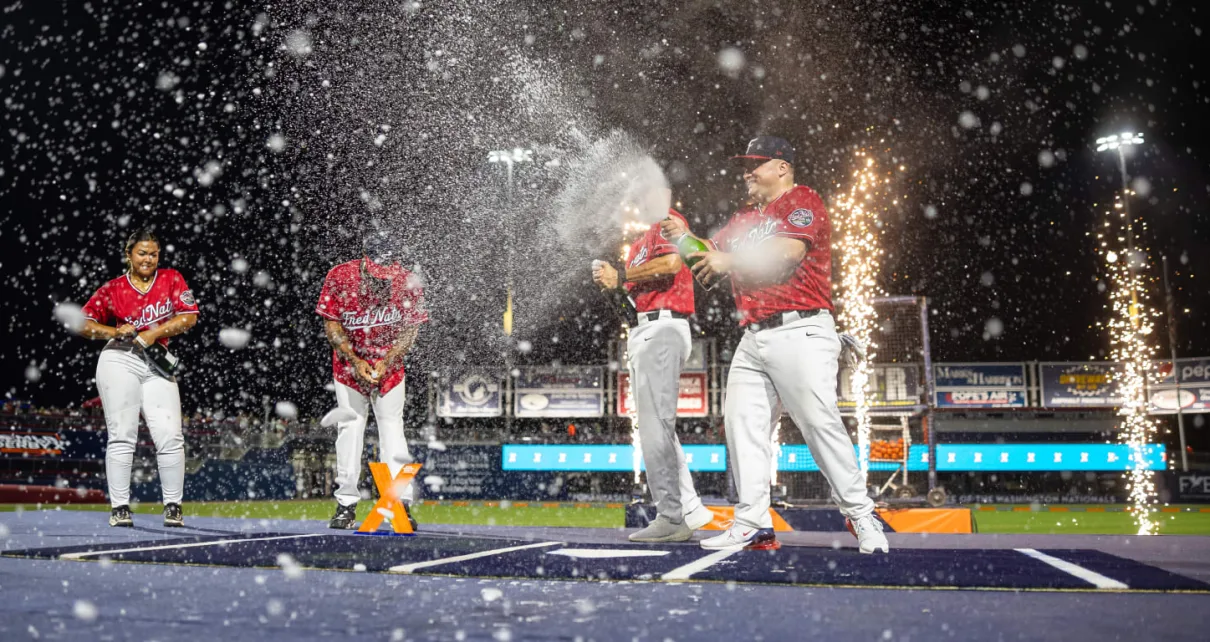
x=1038 y=457
x=617 y=458
x=692 y=402
x=979 y=385
x=1186 y=386
x=1080 y=385
x=1187 y=488
x=559 y=391
x=471 y=393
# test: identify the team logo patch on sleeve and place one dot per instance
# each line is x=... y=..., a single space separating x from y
x=801 y=218
x=187 y=298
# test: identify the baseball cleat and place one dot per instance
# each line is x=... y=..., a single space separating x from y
x=120 y=516
x=345 y=518
x=699 y=518
x=173 y=515
x=661 y=529
x=868 y=531
x=737 y=537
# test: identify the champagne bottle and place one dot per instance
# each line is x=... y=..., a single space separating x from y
x=687 y=244
x=621 y=301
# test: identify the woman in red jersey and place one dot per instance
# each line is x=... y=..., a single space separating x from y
x=136 y=313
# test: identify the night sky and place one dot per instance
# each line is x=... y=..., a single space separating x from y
x=261 y=141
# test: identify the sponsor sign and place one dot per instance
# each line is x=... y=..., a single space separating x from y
x=892 y=386
x=471 y=393
x=797 y=458
x=1186 y=386
x=693 y=400
x=979 y=385
x=1080 y=385
x=32 y=444
x=1188 y=487
x=559 y=391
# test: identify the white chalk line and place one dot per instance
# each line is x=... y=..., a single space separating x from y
x=164 y=547
x=1092 y=577
x=408 y=568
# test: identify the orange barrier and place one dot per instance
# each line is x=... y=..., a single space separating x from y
x=388 y=504
x=725 y=515
x=928 y=520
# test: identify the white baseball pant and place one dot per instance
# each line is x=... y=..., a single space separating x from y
x=350 y=438
x=657 y=351
x=792 y=366
x=127 y=384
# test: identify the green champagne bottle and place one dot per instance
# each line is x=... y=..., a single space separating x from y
x=687 y=244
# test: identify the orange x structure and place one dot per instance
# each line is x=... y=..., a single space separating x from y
x=388 y=505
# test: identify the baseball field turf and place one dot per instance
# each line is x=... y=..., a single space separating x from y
x=1066 y=519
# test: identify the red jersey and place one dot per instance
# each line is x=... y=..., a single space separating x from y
x=798 y=214
x=669 y=293
x=372 y=325
x=118 y=302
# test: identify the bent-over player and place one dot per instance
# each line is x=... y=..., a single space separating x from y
x=662 y=289
x=136 y=313
x=373 y=308
x=778 y=254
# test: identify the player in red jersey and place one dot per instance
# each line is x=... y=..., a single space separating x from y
x=662 y=290
x=778 y=254
x=137 y=313
x=373 y=309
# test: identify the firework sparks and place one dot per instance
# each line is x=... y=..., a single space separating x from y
x=857 y=221
x=1130 y=326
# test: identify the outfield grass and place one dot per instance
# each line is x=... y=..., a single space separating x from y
x=1086 y=523
x=534 y=514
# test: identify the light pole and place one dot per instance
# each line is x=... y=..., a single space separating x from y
x=509 y=157
x=1176 y=372
x=1119 y=143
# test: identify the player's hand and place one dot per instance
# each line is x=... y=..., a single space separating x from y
x=380 y=370
x=604 y=275
x=712 y=266
x=672 y=228
x=124 y=331
x=364 y=373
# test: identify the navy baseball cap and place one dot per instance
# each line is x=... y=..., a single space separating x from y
x=380 y=247
x=768 y=148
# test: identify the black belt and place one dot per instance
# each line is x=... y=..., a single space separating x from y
x=655 y=314
x=782 y=318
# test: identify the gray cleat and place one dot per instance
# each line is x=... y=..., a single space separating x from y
x=663 y=530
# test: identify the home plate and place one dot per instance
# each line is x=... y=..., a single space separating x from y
x=606 y=553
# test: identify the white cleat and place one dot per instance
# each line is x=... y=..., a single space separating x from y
x=739 y=537
x=699 y=518
x=870 y=537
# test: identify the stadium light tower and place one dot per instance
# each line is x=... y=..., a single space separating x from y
x=1119 y=143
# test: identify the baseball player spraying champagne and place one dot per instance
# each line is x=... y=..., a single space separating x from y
x=778 y=254
x=373 y=308
x=659 y=343
x=136 y=313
